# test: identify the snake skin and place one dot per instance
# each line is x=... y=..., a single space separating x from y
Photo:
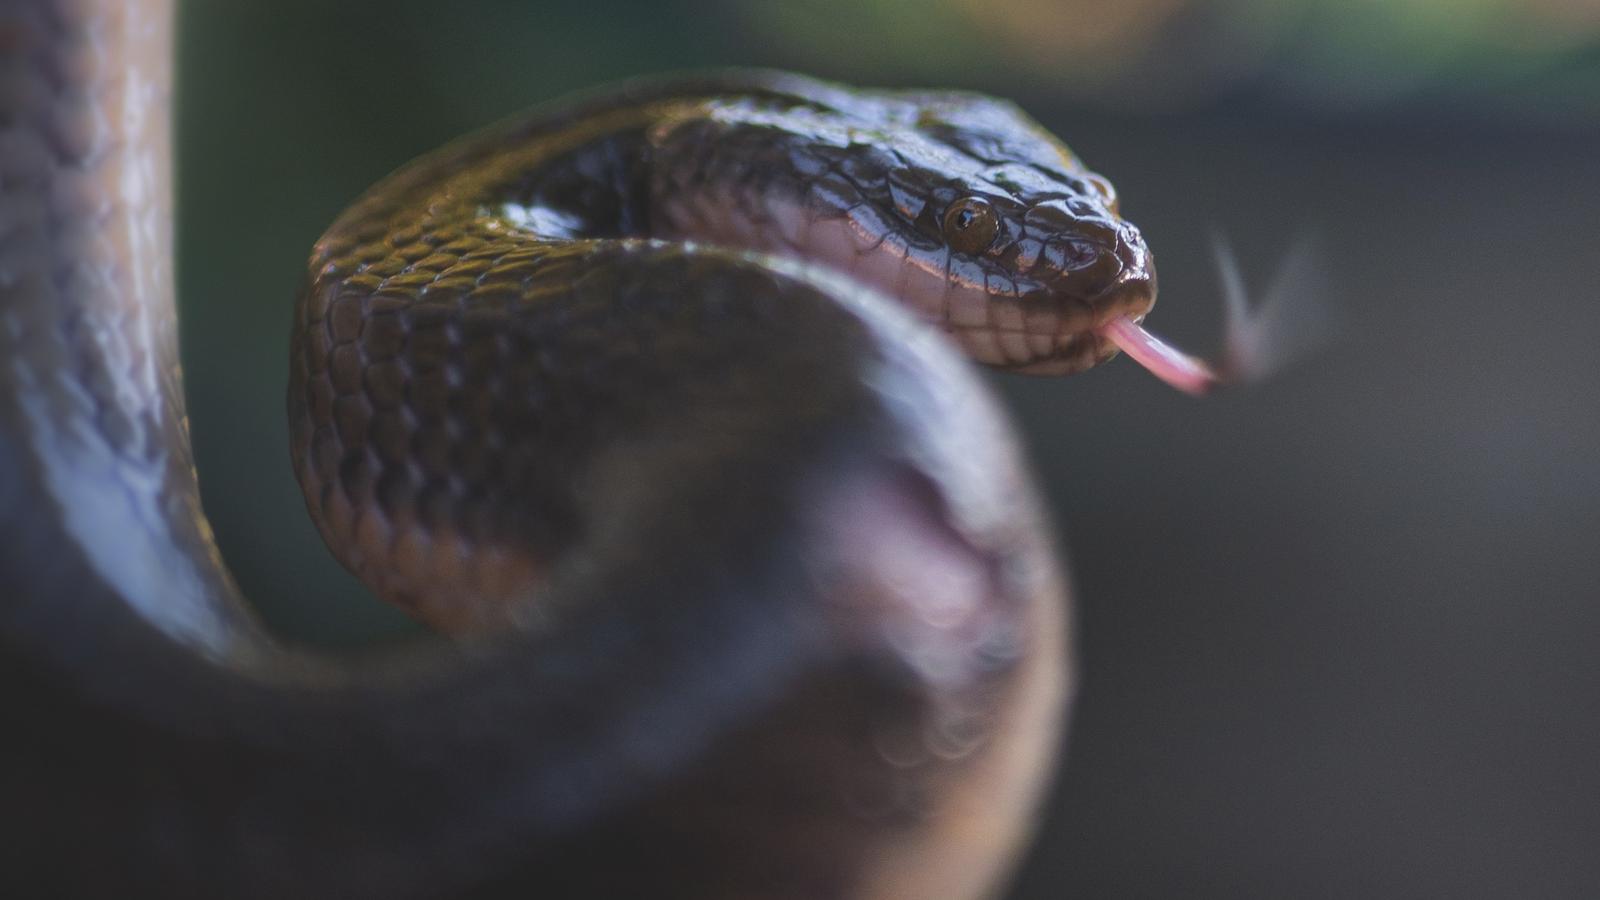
x=766 y=608
x=481 y=326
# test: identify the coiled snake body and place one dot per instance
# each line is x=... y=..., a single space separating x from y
x=757 y=598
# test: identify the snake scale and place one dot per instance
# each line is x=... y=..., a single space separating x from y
x=653 y=396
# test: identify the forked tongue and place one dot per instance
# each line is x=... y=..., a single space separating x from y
x=1286 y=326
x=1166 y=362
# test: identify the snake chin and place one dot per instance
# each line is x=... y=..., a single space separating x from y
x=1032 y=353
x=1080 y=353
x=1067 y=334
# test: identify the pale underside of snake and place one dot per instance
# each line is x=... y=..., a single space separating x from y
x=652 y=395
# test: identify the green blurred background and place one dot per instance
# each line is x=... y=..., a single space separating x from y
x=1338 y=632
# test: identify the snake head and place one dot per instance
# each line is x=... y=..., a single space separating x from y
x=1042 y=275
x=1038 y=262
x=957 y=205
x=1039 y=258
x=994 y=231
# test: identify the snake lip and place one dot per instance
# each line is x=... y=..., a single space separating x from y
x=1132 y=295
x=1073 y=353
x=1082 y=346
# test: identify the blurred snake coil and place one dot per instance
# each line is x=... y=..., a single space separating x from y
x=657 y=398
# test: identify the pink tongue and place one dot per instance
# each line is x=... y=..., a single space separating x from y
x=1164 y=361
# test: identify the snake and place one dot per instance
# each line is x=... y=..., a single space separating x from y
x=659 y=400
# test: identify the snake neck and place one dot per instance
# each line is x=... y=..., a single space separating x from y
x=91 y=388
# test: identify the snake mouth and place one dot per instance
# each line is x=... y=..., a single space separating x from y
x=1059 y=334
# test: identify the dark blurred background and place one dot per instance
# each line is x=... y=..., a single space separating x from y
x=1339 y=631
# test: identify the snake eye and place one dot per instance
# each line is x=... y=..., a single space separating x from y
x=970 y=225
